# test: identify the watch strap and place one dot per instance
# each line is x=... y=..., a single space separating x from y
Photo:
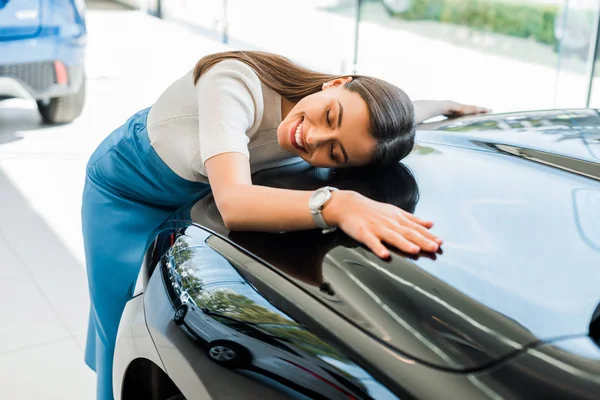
x=317 y=215
x=319 y=220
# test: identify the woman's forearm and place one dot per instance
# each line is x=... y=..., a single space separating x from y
x=425 y=109
x=244 y=206
x=266 y=209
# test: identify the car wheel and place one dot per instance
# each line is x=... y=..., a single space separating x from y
x=229 y=354
x=180 y=314
x=61 y=110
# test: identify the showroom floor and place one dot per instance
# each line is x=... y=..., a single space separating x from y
x=43 y=288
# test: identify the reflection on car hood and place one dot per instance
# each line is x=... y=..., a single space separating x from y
x=520 y=262
x=564 y=139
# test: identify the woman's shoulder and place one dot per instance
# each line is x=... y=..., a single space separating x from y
x=228 y=82
x=231 y=69
x=235 y=80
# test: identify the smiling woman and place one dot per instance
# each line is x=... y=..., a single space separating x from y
x=318 y=129
x=234 y=114
x=379 y=120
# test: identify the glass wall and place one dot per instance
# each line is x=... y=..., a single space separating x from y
x=208 y=16
x=595 y=86
x=504 y=54
x=300 y=29
x=577 y=27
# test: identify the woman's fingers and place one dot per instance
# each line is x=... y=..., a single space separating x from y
x=405 y=239
x=412 y=217
x=419 y=225
x=459 y=109
x=374 y=243
x=417 y=238
x=425 y=232
x=385 y=224
x=399 y=241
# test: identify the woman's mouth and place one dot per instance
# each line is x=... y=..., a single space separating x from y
x=297 y=136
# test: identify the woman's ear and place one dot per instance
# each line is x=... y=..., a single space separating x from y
x=345 y=80
x=337 y=82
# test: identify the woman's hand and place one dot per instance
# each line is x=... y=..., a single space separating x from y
x=453 y=109
x=373 y=223
x=426 y=109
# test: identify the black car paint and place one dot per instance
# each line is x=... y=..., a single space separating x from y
x=223 y=296
x=490 y=317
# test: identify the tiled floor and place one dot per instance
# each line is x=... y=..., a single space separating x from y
x=43 y=287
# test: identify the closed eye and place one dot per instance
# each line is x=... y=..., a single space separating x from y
x=344 y=154
x=331 y=155
x=327 y=117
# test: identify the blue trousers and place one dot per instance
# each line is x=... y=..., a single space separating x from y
x=129 y=192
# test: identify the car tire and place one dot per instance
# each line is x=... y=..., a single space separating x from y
x=180 y=314
x=62 y=110
x=228 y=354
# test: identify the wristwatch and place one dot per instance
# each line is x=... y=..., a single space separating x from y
x=318 y=200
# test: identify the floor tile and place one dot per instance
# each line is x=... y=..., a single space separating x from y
x=10 y=265
x=49 y=372
x=67 y=292
x=80 y=339
x=36 y=244
x=27 y=318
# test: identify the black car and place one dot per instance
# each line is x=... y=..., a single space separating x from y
x=507 y=309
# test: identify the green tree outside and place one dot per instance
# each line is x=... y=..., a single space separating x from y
x=525 y=20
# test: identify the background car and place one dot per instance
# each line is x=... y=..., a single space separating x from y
x=509 y=308
x=42 y=53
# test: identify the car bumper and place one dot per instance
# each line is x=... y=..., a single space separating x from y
x=133 y=342
x=40 y=80
x=42 y=67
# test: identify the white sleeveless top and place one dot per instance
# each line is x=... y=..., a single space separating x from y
x=229 y=110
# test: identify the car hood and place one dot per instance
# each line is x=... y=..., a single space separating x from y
x=520 y=261
x=568 y=139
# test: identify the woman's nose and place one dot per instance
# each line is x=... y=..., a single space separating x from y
x=314 y=138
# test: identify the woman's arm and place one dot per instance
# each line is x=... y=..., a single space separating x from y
x=244 y=206
x=426 y=109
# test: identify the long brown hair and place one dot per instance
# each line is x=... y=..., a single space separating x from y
x=391 y=111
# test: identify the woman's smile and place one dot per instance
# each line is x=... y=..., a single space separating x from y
x=297 y=136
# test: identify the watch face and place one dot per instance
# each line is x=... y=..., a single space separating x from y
x=318 y=198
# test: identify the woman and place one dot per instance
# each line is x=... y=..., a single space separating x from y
x=234 y=114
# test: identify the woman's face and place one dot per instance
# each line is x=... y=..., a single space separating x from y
x=329 y=129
